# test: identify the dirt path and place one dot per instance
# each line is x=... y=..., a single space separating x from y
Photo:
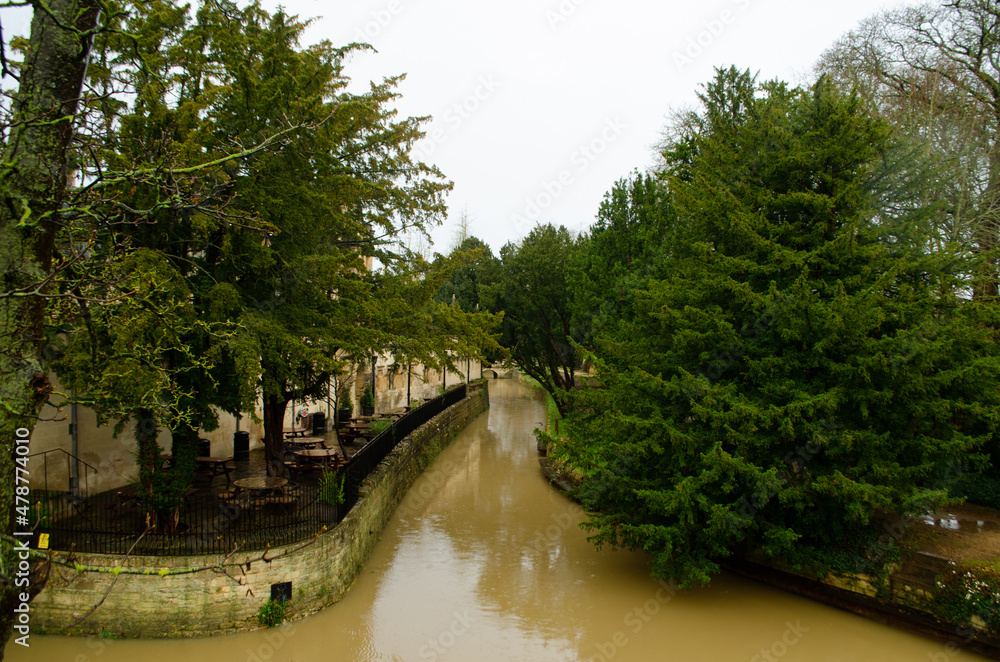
x=961 y=533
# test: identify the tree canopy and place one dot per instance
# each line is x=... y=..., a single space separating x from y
x=798 y=370
x=278 y=277
x=538 y=326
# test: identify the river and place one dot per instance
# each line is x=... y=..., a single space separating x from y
x=484 y=561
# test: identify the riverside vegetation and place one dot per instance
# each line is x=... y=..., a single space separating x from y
x=793 y=318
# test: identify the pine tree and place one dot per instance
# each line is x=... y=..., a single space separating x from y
x=802 y=371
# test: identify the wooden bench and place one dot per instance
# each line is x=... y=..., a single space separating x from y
x=296 y=468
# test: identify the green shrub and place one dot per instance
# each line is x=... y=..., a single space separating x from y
x=344 y=402
x=378 y=427
x=971 y=590
x=331 y=488
x=271 y=613
x=982 y=488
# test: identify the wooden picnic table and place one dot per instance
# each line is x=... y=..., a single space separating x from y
x=324 y=457
x=213 y=466
x=295 y=432
x=306 y=442
x=206 y=466
x=260 y=483
x=350 y=435
x=257 y=489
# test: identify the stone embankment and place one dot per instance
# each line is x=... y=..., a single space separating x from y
x=208 y=603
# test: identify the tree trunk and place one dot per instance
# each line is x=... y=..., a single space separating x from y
x=30 y=192
x=274 y=445
x=147 y=450
x=988 y=227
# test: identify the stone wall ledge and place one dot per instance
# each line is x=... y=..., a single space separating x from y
x=852 y=594
x=207 y=603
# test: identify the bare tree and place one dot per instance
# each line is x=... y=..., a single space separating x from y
x=935 y=71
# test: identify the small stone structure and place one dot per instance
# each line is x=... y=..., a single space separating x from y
x=206 y=603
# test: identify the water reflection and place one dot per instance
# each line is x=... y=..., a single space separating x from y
x=953 y=523
x=485 y=561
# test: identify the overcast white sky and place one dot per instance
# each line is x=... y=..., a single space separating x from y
x=539 y=106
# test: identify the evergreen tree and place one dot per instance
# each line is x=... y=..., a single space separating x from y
x=801 y=371
x=538 y=325
x=623 y=248
x=478 y=270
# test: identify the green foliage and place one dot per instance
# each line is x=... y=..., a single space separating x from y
x=344 y=402
x=262 y=286
x=331 y=487
x=380 y=426
x=271 y=613
x=624 y=248
x=478 y=269
x=971 y=590
x=982 y=487
x=795 y=369
x=368 y=397
x=538 y=326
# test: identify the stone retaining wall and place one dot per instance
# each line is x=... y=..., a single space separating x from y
x=205 y=603
x=909 y=588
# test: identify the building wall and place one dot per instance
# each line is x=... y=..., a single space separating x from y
x=206 y=603
x=113 y=457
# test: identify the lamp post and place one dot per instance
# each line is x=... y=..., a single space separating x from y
x=374 y=360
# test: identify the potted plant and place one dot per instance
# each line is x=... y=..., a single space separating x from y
x=345 y=407
x=331 y=495
x=368 y=402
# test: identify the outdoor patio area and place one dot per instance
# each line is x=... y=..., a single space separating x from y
x=215 y=515
x=232 y=503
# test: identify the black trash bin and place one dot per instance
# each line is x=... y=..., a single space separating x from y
x=204 y=448
x=241 y=445
x=319 y=424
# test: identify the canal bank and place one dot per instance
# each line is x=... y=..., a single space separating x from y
x=857 y=594
x=484 y=561
x=315 y=573
x=903 y=598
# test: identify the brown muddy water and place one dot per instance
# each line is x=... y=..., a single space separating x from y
x=484 y=561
